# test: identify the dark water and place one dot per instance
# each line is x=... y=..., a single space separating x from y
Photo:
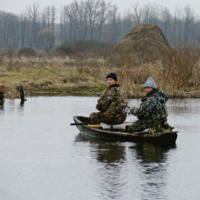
x=44 y=158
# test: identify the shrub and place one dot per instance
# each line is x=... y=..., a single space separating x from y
x=86 y=47
x=26 y=51
x=92 y=46
x=64 y=49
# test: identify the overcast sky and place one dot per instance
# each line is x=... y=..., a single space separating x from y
x=16 y=6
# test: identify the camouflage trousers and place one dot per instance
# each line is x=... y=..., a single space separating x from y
x=99 y=117
x=139 y=125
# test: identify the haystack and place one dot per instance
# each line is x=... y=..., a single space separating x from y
x=144 y=43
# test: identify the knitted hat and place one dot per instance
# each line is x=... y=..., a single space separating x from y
x=150 y=83
x=112 y=75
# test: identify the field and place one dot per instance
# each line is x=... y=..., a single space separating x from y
x=177 y=74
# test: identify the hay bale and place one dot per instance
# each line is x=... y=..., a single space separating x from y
x=144 y=43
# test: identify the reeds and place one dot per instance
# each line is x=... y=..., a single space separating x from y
x=177 y=73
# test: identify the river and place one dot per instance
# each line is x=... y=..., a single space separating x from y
x=44 y=158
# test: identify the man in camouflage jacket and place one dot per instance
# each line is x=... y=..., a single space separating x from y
x=152 y=110
x=110 y=104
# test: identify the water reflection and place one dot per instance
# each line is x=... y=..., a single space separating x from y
x=149 y=159
x=150 y=153
x=111 y=156
x=107 y=152
x=153 y=169
x=151 y=163
x=183 y=106
x=39 y=158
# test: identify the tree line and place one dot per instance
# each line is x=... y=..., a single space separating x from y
x=92 y=20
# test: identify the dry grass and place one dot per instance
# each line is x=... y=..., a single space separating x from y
x=178 y=74
x=52 y=74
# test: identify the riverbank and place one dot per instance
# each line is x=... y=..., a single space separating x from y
x=85 y=75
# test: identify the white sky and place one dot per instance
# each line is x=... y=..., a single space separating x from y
x=17 y=6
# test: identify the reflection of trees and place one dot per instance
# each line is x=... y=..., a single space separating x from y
x=150 y=153
x=153 y=169
x=110 y=157
x=149 y=167
x=110 y=153
x=105 y=151
x=182 y=106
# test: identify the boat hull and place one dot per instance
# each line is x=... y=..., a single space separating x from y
x=166 y=138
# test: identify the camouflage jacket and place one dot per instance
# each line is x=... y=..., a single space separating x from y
x=152 y=106
x=112 y=107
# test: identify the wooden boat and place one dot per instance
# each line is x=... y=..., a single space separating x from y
x=165 y=138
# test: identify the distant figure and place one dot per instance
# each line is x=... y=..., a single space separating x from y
x=110 y=104
x=20 y=89
x=152 y=112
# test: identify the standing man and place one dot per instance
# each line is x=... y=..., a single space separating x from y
x=152 y=112
x=110 y=104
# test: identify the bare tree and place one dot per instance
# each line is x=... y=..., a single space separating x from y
x=105 y=13
x=86 y=19
x=46 y=36
x=53 y=20
x=95 y=20
x=166 y=19
x=33 y=13
x=114 y=25
x=137 y=14
x=72 y=16
x=189 y=24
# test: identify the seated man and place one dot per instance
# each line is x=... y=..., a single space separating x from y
x=152 y=111
x=110 y=104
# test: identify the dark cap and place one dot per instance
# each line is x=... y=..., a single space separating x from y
x=112 y=75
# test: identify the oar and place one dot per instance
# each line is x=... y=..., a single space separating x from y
x=82 y=123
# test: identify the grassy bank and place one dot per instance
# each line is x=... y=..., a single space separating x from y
x=178 y=75
x=53 y=75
